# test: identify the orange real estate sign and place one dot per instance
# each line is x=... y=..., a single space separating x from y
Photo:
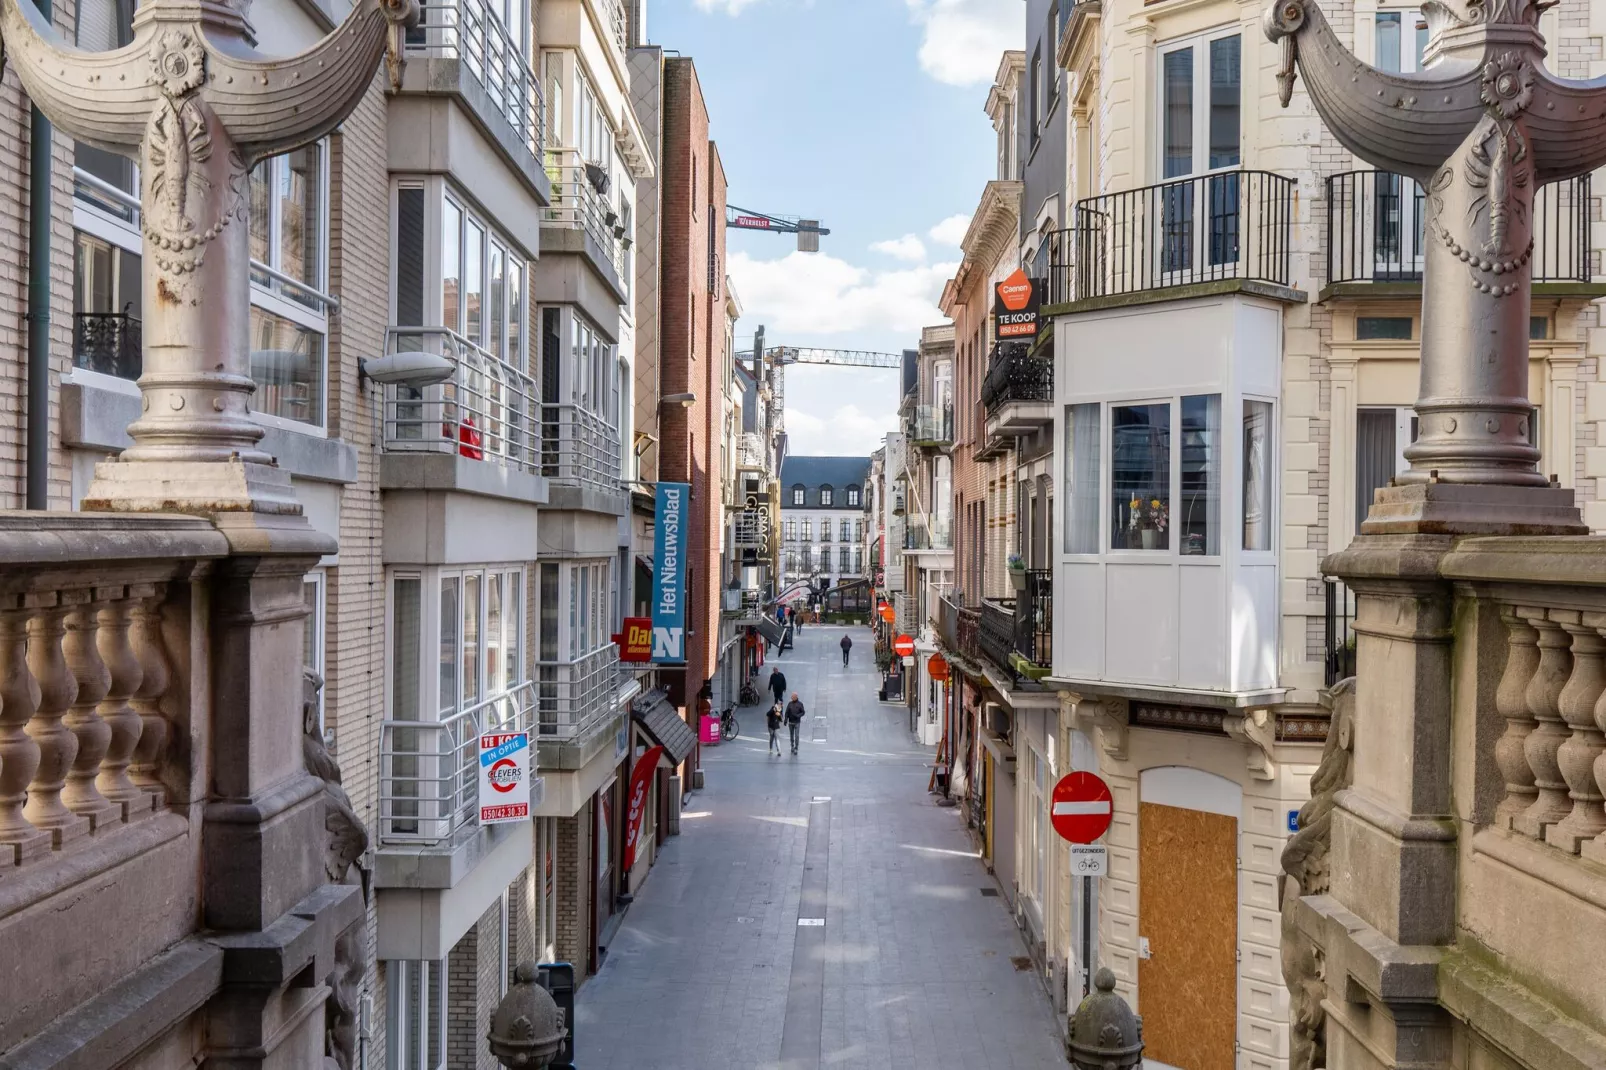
x=1016 y=307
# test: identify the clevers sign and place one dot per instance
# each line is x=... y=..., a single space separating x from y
x=504 y=777
x=671 y=536
x=1016 y=308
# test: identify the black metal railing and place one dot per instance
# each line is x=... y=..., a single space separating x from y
x=969 y=629
x=1014 y=376
x=997 y=632
x=1034 y=618
x=1340 y=631
x=107 y=342
x=948 y=607
x=1059 y=282
x=1377 y=229
x=1226 y=225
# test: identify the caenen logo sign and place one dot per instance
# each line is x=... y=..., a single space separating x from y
x=1015 y=311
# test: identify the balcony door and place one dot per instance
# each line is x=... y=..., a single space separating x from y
x=1401 y=38
x=1197 y=212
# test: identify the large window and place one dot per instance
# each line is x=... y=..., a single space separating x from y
x=1200 y=88
x=808 y=529
x=825 y=529
x=1140 y=477
x=1381 y=436
x=475 y=624
x=791 y=529
x=1082 y=452
x=1257 y=475
x=844 y=559
x=1199 y=500
x=590 y=607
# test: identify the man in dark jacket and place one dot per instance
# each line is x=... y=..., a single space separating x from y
x=794 y=718
x=777 y=684
x=847 y=645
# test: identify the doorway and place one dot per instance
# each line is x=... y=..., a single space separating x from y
x=1188 y=918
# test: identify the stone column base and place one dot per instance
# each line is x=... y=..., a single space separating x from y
x=1473 y=509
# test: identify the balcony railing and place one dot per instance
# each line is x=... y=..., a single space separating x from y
x=572 y=696
x=429 y=770
x=923 y=532
x=579 y=448
x=932 y=425
x=1376 y=229
x=1034 y=618
x=1227 y=225
x=486 y=411
x=750 y=531
x=1014 y=376
x=107 y=342
x=468 y=31
x=581 y=200
x=750 y=452
x=968 y=627
x=997 y=632
x=616 y=21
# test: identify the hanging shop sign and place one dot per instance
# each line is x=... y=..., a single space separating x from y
x=1015 y=310
x=671 y=534
x=504 y=777
x=635 y=641
x=640 y=780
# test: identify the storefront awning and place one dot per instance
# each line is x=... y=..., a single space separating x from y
x=663 y=723
x=771 y=629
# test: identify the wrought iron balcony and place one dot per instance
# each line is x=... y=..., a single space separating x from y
x=469 y=32
x=581 y=201
x=1017 y=396
x=487 y=410
x=1034 y=618
x=1227 y=225
x=997 y=633
x=1376 y=229
x=969 y=634
x=429 y=770
x=107 y=342
x=947 y=619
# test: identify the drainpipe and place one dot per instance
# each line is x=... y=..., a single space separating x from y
x=38 y=428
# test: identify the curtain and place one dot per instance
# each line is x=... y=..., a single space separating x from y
x=1375 y=456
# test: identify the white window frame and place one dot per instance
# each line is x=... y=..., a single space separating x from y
x=588 y=594
x=318 y=580
x=1200 y=43
x=404 y=1018
x=431 y=704
x=853 y=495
x=827 y=493
x=799 y=495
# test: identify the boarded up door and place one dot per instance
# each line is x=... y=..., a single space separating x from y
x=1188 y=911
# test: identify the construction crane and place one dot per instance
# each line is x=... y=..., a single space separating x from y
x=776 y=358
x=808 y=231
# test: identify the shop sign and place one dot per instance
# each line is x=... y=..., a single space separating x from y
x=1015 y=310
x=640 y=781
x=504 y=777
x=671 y=534
x=635 y=641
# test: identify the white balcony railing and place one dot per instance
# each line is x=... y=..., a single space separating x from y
x=616 y=22
x=428 y=778
x=468 y=31
x=572 y=696
x=487 y=411
x=579 y=448
x=750 y=450
x=582 y=199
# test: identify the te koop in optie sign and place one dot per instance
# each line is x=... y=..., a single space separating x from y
x=504 y=777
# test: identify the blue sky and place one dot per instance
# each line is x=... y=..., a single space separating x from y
x=867 y=115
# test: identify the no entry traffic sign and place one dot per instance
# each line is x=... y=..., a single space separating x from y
x=903 y=646
x=1081 y=808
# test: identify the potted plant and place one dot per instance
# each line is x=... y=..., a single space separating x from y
x=1017 y=571
x=1147 y=519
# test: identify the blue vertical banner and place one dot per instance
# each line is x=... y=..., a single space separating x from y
x=671 y=536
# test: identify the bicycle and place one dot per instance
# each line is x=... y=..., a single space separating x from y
x=728 y=728
x=749 y=694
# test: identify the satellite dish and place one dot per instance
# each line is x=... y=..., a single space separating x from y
x=414 y=369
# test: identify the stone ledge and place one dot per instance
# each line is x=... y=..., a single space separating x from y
x=452 y=471
x=303 y=936
x=29 y=537
x=106 y=1030
x=1248 y=287
x=1511 y=1016
x=1384 y=970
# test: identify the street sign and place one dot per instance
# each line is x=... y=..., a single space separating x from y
x=887 y=613
x=937 y=668
x=504 y=777
x=1081 y=808
x=903 y=646
x=1089 y=860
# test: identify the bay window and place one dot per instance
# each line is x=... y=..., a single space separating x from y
x=1082 y=440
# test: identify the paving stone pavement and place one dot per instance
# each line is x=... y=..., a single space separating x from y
x=912 y=967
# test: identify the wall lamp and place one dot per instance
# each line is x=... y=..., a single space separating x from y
x=685 y=401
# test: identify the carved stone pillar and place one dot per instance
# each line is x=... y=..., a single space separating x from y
x=19 y=754
x=83 y=718
x=58 y=747
x=1576 y=756
x=117 y=652
x=1522 y=661
x=1551 y=803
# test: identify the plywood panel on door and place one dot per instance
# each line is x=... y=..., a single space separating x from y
x=1188 y=912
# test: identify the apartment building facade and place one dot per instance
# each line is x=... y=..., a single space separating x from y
x=823 y=519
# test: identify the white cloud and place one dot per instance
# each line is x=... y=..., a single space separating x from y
x=962 y=40
x=907 y=247
x=849 y=431
x=816 y=293
x=950 y=231
x=728 y=7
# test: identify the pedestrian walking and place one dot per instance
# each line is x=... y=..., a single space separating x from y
x=794 y=718
x=847 y=645
x=773 y=719
x=777 y=684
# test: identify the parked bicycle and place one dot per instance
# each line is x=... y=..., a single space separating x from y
x=749 y=694
x=728 y=727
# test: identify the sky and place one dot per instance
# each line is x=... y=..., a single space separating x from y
x=868 y=115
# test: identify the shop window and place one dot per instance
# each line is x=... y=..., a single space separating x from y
x=1257 y=473
x=1382 y=328
x=1140 y=477
x=1082 y=441
x=1199 y=515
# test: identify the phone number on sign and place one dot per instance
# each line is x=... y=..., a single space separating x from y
x=498 y=813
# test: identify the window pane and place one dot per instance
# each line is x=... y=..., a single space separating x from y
x=1376 y=458
x=450 y=619
x=301 y=215
x=410 y=257
x=1388 y=41
x=1225 y=80
x=1199 y=526
x=1177 y=93
x=471 y=639
x=1257 y=475
x=287 y=364
x=261 y=214
x=1140 y=474
x=495 y=666
x=404 y=651
x=451 y=266
x=513 y=599
x=496 y=335
x=1082 y=442
x=515 y=314
x=1382 y=328
x=473 y=282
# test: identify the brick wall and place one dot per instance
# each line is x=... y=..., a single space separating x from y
x=473 y=989
x=572 y=867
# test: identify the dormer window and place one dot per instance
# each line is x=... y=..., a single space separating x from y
x=798 y=493
x=826 y=493
x=853 y=495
